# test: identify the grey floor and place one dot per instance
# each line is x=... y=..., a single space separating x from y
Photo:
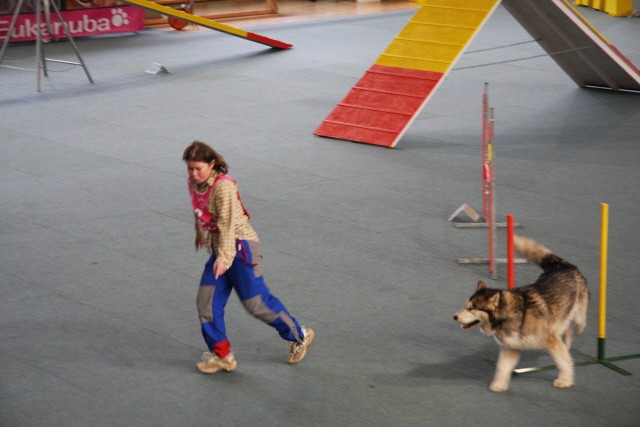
x=98 y=325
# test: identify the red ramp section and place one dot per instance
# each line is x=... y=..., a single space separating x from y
x=380 y=105
x=384 y=102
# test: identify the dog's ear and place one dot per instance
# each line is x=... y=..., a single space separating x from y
x=481 y=285
x=495 y=299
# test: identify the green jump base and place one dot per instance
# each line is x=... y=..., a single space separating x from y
x=604 y=362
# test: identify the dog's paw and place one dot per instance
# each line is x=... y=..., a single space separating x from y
x=562 y=383
x=498 y=387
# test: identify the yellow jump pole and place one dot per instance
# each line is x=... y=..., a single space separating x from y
x=602 y=306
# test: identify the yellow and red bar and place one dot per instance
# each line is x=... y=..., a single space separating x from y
x=208 y=23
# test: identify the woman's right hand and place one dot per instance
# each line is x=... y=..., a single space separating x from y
x=218 y=269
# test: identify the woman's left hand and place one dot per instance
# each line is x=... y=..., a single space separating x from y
x=218 y=269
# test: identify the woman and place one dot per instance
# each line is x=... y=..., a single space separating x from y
x=222 y=224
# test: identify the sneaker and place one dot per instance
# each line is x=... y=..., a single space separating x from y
x=298 y=351
x=210 y=363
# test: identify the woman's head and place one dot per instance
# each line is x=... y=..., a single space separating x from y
x=202 y=160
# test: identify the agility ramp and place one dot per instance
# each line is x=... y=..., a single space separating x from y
x=208 y=23
x=575 y=45
x=384 y=102
x=381 y=106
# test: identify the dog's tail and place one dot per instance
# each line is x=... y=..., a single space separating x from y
x=538 y=254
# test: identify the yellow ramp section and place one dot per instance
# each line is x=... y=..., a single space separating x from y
x=437 y=35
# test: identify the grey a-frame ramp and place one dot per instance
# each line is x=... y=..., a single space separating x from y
x=576 y=46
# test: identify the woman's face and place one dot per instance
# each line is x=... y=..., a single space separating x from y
x=199 y=172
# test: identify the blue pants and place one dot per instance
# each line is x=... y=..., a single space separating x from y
x=245 y=276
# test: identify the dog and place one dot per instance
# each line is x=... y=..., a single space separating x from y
x=536 y=316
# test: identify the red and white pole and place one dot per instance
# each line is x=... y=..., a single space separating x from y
x=492 y=201
x=485 y=107
x=510 y=254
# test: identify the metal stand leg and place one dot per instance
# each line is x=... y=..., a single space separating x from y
x=5 y=43
x=40 y=59
x=73 y=43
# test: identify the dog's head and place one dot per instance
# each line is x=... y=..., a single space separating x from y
x=480 y=310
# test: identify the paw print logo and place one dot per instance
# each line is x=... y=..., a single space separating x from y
x=119 y=18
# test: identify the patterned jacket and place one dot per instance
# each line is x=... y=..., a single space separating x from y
x=228 y=215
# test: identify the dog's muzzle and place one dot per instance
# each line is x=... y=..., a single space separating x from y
x=466 y=325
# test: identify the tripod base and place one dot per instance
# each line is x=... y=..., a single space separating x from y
x=43 y=6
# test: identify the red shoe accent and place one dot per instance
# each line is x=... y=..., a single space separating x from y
x=222 y=349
